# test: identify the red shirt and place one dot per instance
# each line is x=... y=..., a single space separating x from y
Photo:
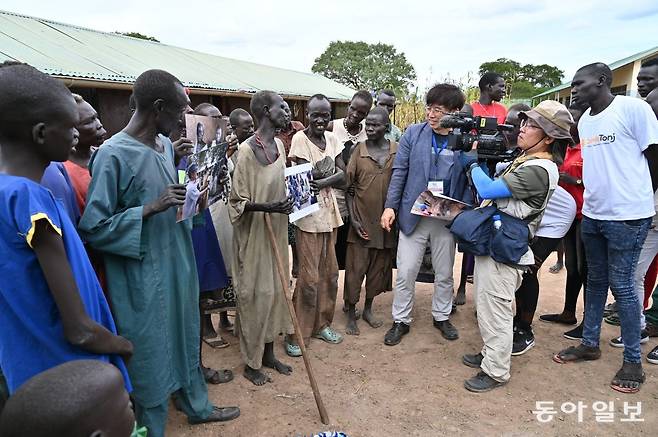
x=573 y=165
x=494 y=109
x=80 y=179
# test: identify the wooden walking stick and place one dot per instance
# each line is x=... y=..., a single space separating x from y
x=324 y=416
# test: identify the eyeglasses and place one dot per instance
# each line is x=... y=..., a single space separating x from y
x=529 y=124
x=436 y=110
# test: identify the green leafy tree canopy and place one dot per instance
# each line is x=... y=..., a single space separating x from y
x=524 y=81
x=138 y=35
x=365 y=66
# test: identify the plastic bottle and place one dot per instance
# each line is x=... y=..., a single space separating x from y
x=497 y=223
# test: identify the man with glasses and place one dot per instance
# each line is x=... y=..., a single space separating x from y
x=424 y=162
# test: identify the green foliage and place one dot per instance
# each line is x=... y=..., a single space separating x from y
x=524 y=81
x=138 y=35
x=365 y=66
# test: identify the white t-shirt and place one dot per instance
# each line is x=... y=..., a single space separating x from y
x=615 y=172
x=558 y=215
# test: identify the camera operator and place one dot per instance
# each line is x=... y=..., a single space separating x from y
x=522 y=192
x=423 y=161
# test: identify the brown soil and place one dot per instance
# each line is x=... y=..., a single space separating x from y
x=416 y=388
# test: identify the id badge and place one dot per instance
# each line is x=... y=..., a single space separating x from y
x=436 y=187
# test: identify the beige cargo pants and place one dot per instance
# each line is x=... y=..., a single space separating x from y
x=495 y=284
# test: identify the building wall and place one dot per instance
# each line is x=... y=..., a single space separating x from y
x=112 y=106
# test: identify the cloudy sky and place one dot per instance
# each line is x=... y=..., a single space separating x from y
x=442 y=39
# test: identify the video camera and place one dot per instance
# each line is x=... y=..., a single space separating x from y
x=467 y=129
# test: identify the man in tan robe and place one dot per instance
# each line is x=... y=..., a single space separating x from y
x=259 y=188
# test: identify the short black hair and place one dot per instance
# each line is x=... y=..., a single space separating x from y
x=600 y=69
x=519 y=107
x=363 y=95
x=62 y=395
x=318 y=97
x=259 y=101
x=152 y=85
x=28 y=97
x=203 y=106
x=236 y=114
x=387 y=92
x=378 y=110
x=447 y=95
x=489 y=78
x=650 y=63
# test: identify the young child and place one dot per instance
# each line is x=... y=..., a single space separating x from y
x=53 y=309
x=81 y=398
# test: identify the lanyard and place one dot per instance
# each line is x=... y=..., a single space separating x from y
x=435 y=146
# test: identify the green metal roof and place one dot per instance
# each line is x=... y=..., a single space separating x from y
x=613 y=66
x=77 y=52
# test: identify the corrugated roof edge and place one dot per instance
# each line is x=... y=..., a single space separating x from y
x=613 y=66
x=130 y=79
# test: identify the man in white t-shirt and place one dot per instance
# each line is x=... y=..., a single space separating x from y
x=619 y=139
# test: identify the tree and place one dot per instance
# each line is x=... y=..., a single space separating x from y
x=138 y=35
x=365 y=66
x=524 y=81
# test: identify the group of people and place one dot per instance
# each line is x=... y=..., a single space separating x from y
x=103 y=284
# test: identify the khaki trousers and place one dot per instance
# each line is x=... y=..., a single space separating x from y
x=314 y=297
x=495 y=284
x=375 y=265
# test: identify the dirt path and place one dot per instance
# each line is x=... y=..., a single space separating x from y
x=416 y=387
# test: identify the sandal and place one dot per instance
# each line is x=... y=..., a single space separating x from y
x=329 y=335
x=213 y=376
x=217 y=344
x=629 y=378
x=293 y=350
x=574 y=354
x=612 y=319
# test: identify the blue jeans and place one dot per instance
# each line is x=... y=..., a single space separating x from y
x=612 y=249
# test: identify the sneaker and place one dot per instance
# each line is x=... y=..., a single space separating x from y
x=523 y=342
x=473 y=360
x=481 y=383
x=617 y=342
x=447 y=329
x=652 y=356
x=395 y=334
x=574 y=334
x=652 y=330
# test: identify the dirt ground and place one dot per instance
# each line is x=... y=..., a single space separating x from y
x=416 y=388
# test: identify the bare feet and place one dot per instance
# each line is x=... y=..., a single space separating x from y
x=277 y=365
x=369 y=318
x=356 y=312
x=460 y=297
x=352 y=328
x=256 y=376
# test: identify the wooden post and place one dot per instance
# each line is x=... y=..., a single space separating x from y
x=285 y=285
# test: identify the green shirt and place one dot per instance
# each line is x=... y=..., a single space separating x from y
x=529 y=183
x=151 y=272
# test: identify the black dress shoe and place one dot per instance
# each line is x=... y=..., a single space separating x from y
x=218 y=414
x=447 y=329
x=394 y=335
x=481 y=383
x=473 y=360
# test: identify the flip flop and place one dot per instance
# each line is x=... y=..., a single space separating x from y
x=575 y=354
x=216 y=344
x=213 y=376
x=329 y=335
x=624 y=376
